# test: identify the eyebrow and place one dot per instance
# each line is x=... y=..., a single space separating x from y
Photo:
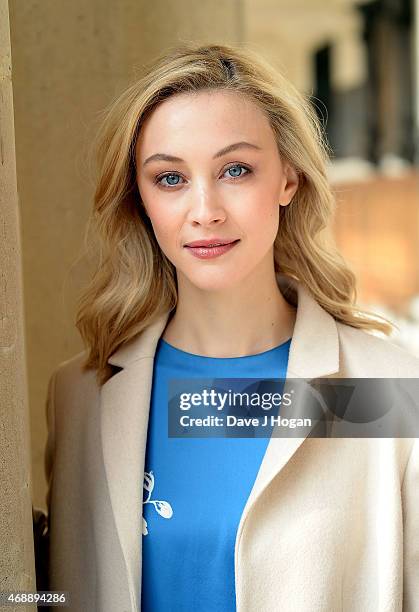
x=237 y=145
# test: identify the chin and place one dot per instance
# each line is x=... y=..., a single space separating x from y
x=219 y=281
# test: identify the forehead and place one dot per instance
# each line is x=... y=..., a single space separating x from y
x=204 y=118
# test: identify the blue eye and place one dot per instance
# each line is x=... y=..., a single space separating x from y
x=235 y=167
x=169 y=177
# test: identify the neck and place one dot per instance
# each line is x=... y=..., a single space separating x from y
x=250 y=318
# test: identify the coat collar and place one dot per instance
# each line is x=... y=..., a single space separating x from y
x=124 y=410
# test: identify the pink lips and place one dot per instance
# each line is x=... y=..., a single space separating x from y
x=202 y=250
x=208 y=242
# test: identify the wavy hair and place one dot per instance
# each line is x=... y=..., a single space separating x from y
x=134 y=282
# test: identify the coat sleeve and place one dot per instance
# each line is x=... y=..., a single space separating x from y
x=410 y=501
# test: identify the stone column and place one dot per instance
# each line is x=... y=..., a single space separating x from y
x=17 y=567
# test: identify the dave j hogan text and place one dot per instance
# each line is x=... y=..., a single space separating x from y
x=233 y=421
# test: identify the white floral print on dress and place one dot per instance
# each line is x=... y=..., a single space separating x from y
x=162 y=507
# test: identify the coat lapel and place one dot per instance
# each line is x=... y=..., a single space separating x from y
x=125 y=402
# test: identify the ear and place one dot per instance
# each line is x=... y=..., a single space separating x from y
x=289 y=184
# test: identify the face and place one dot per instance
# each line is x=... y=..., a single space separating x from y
x=208 y=167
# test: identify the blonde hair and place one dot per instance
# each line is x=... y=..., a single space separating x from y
x=134 y=282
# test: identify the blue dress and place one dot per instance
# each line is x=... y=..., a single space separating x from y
x=195 y=490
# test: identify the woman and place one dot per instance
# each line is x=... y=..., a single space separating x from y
x=214 y=147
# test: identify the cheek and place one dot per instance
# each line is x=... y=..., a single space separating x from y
x=262 y=217
x=157 y=211
x=165 y=226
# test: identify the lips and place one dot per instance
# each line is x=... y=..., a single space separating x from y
x=211 y=252
x=211 y=242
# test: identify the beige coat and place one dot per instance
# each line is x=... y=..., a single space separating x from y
x=331 y=525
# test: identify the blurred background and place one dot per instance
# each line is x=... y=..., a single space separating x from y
x=357 y=60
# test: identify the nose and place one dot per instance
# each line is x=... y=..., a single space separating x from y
x=205 y=209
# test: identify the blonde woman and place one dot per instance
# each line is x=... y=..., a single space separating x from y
x=212 y=212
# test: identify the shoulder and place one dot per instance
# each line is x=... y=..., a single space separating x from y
x=72 y=381
x=367 y=355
